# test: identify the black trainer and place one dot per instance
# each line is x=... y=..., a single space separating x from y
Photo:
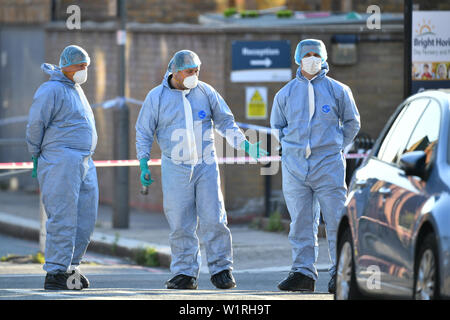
x=61 y=281
x=182 y=281
x=332 y=284
x=297 y=281
x=223 y=280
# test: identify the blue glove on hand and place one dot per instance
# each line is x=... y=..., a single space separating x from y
x=144 y=171
x=253 y=150
x=35 y=162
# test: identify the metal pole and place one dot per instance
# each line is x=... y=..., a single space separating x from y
x=268 y=181
x=121 y=115
x=408 y=8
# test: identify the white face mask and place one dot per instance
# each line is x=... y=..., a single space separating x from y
x=312 y=64
x=80 y=76
x=190 y=82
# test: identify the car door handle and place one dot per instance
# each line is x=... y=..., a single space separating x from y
x=384 y=191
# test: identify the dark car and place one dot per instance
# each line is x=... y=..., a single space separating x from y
x=393 y=238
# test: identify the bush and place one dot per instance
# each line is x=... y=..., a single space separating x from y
x=284 y=14
x=275 y=224
x=229 y=12
x=29 y=258
x=38 y=258
x=147 y=257
x=249 y=14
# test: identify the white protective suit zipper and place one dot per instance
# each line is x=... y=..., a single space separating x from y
x=193 y=156
x=312 y=108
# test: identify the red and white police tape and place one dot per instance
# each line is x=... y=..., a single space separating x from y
x=157 y=162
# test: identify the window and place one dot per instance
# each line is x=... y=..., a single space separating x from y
x=426 y=133
x=396 y=139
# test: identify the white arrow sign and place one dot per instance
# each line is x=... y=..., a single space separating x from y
x=266 y=62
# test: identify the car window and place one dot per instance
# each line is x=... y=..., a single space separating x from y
x=395 y=140
x=426 y=133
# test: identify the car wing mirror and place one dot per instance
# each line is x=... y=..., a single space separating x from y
x=413 y=163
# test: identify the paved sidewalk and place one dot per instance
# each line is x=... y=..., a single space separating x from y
x=253 y=249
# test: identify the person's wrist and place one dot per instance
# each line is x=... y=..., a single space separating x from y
x=245 y=145
x=143 y=164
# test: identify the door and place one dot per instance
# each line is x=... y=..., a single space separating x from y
x=407 y=196
x=376 y=241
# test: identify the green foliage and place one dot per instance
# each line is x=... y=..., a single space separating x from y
x=284 y=14
x=38 y=258
x=4 y=258
x=115 y=243
x=228 y=12
x=274 y=224
x=29 y=258
x=249 y=14
x=147 y=257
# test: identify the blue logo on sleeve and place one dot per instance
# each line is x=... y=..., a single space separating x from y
x=326 y=108
x=202 y=114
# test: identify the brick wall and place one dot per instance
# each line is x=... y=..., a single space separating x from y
x=96 y=10
x=344 y=5
x=143 y=11
x=173 y=11
x=25 y=11
x=376 y=81
x=385 y=6
x=304 y=5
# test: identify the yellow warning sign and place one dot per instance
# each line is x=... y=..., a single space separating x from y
x=256 y=103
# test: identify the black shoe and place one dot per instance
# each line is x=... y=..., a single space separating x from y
x=223 y=280
x=297 y=281
x=182 y=281
x=61 y=281
x=332 y=284
x=84 y=281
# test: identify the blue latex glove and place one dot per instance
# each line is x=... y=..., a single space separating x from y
x=253 y=150
x=35 y=162
x=144 y=171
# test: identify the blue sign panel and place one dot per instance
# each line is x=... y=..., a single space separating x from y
x=261 y=61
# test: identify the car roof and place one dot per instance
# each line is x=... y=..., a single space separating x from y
x=441 y=94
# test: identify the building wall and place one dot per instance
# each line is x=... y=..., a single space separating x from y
x=376 y=81
x=344 y=5
x=173 y=11
x=22 y=12
x=143 y=11
x=385 y=5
